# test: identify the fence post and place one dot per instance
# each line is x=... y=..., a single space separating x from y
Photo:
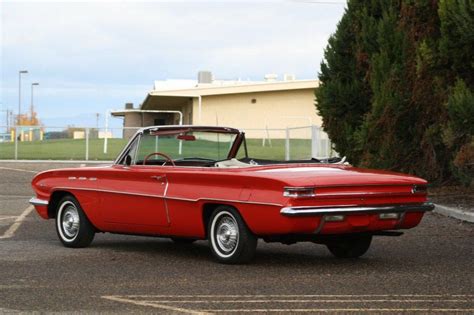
x=16 y=143
x=314 y=141
x=106 y=131
x=87 y=144
x=287 y=145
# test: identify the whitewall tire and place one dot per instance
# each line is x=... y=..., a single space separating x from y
x=72 y=226
x=230 y=239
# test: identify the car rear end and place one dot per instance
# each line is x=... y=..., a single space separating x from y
x=342 y=209
x=335 y=199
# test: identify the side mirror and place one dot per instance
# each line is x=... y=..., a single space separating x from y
x=128 y=160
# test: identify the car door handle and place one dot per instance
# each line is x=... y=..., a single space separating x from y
x=158 y=177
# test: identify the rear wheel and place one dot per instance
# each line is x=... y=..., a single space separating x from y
x=230 y=240
x=350 y=246
x=72 y=226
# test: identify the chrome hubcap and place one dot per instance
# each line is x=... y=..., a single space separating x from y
x=70 y=221
x=227 y=234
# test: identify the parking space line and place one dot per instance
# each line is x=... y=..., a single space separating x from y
x=7 y=217
x=154 y=305
x=19 y=220
x=303 y=295
x=304 y=301
x=3 y=197
x=193 y=303
x=17 y=169
x=351 y=310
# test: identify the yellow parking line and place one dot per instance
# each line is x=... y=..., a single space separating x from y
x=7 y=217
x=155 y=305
x=192 y=300
x=351 y=310
x=301 y=295
x=17 y=169
x=307 y=301
x=19 y=220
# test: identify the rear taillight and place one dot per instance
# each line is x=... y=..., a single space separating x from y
x=299 y=192
x=419 y=189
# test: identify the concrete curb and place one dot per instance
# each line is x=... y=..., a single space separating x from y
x=455 y=213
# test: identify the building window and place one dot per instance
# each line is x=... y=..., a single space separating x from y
x=253 y=101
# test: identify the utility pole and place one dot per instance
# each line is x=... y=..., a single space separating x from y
x=97 y=115
x=32 y=109
x=19 y=93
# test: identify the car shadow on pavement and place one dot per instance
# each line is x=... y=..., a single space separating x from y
x=267 y=254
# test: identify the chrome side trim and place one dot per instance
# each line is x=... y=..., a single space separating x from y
x=310 y=211
x=110 y=191
x=38 y=202
x=357 y=194
x=172 y=198
x=226 y=200
x=164 y=200
x=120 y=156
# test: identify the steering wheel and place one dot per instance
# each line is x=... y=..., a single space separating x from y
x=168 y=159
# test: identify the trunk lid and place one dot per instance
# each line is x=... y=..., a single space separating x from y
x=341 y=183
x=334 y=175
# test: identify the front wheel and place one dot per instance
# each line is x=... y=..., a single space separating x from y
x=230 y=240
x=350 y=246
x=72 y=226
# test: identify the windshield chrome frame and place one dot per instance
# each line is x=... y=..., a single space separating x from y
x=239 y=136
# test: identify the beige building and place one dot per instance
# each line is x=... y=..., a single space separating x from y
x=257 y=107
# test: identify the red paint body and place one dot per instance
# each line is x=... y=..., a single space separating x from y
x=175 y=200
x=133 y=200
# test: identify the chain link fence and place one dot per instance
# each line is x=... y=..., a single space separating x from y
x=100 y=144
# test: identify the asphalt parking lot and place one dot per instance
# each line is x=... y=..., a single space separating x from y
x=427 y=270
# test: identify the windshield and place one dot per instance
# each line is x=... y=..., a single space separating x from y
x=188 y=145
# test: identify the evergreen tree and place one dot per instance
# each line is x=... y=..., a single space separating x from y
x=396 y=86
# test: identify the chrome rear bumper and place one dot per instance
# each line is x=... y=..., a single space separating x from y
x=324 y=210
x=38 y=202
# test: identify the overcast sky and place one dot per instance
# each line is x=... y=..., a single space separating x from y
x=92 y=56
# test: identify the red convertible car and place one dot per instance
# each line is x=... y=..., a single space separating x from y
x=193 y=183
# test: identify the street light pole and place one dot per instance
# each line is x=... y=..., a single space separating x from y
x=32 y=110
x=19 y=93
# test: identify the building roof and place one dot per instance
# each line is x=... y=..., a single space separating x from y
x=237 y=87
x=180 y=84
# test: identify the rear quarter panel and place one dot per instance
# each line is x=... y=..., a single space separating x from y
x=259 y=200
